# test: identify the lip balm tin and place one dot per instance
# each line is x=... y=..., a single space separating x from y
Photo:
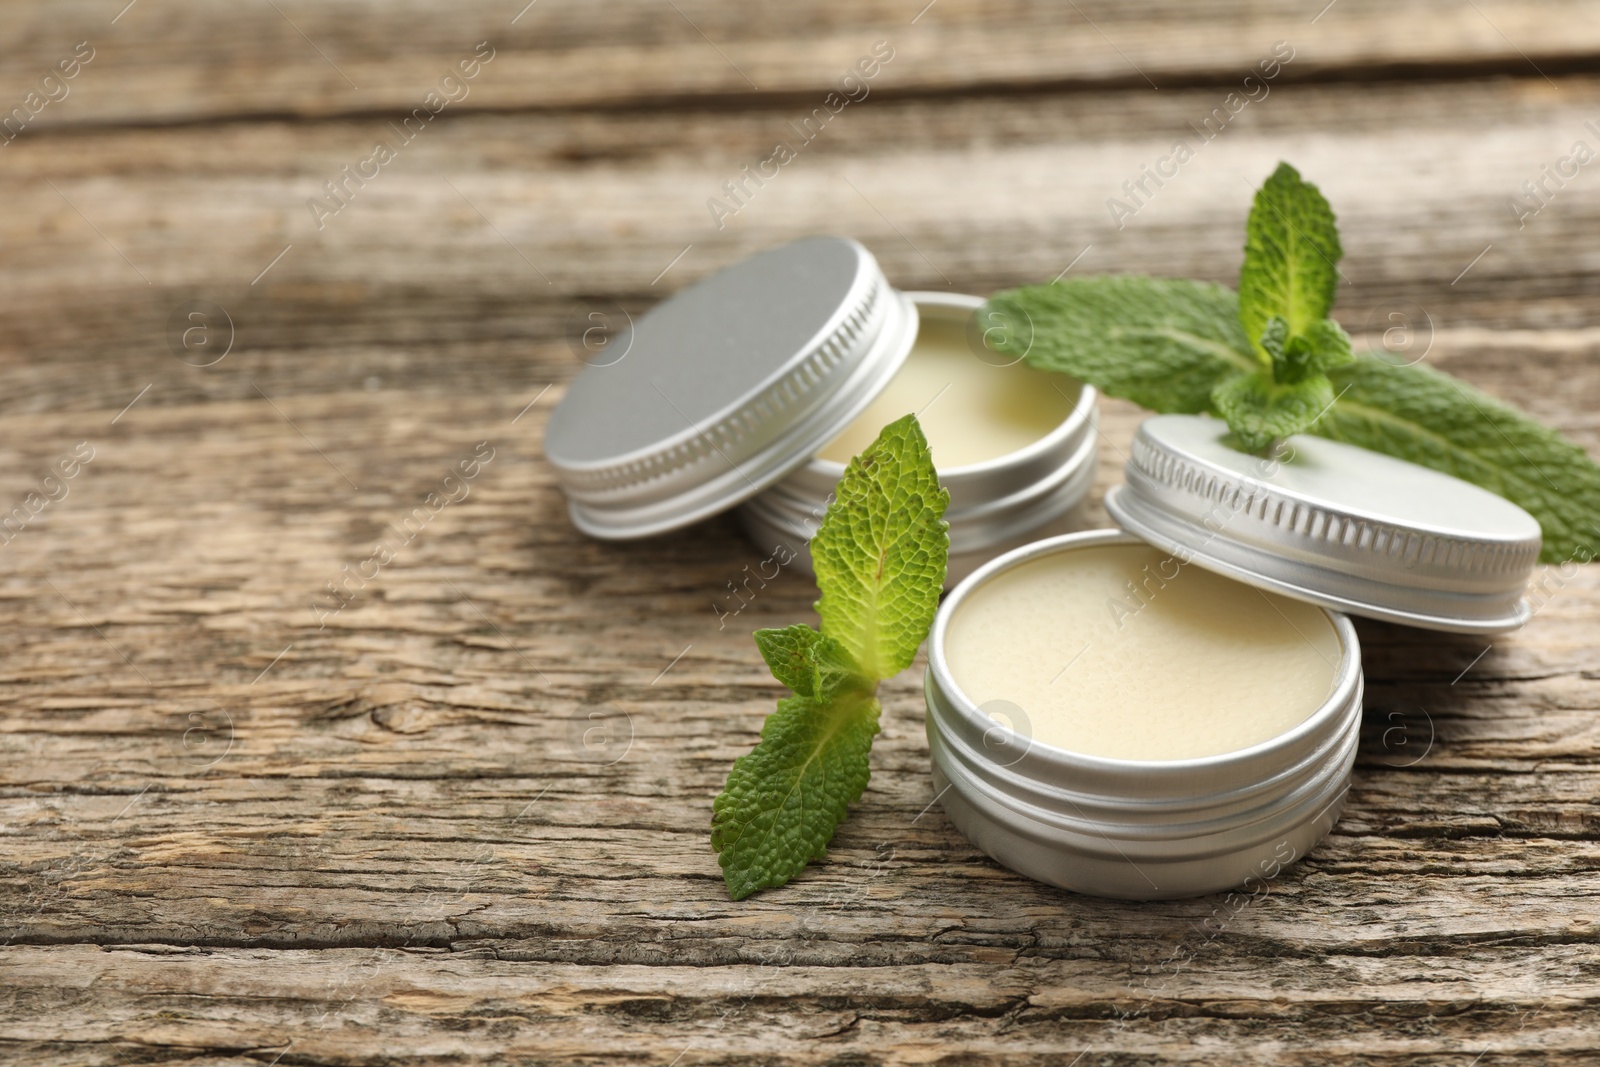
x=1336 y=526
x=1332 y=524
x=728 y=390
x=994 y=505
x=1136 y=829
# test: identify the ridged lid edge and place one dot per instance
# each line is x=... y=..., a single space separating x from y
x=738 y=432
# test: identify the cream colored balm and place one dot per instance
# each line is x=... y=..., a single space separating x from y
x=971 y=411
x=1124 y=652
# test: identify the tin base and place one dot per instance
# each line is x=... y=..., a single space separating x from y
x=1051 y=860
x=1137 y=829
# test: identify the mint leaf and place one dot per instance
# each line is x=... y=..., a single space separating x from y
x=1429 y=417
x=807 y=662
x=1295 y=359
x=1285 y=290
x=880 y=551
x=1322 y=348
x=1291 y=253
x=784 y=799
x=1286 y=287
x=1260 y=410
x=879 y=557
x=1274 y=339
x=1162 y=343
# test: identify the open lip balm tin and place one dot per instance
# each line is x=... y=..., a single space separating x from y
x=996 y=503
x=725 y=393
x=1331 y=527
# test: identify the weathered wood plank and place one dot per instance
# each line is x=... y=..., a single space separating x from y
x=464 y=1007
x=198 y=61
x=410 y=284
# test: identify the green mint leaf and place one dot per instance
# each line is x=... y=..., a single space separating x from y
x=1291 y=254
x=1429 y=417
x=784 y=798
x=1298 y=357
x=809 y=663
x=880 y=552
x=1316 y=352
x=1274 y=340
x=1163 y=343
x=879 y=557
x=1260 y=410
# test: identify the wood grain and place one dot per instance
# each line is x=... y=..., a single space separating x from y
x=196 y=61
x=463 y=819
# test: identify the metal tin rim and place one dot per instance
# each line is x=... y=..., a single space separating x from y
x=1213 y=806
x=1084 y=865
x=848 y=320
x=995 y=505
x=1126 y=512
x=1347 y=679
x=793 y=448
x=1343 y=528
x=1082 y=410
x=1193 y=839
x=996 y=521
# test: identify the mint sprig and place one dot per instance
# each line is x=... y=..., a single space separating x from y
x=1286 y=288
x=1271 y=363
x=1291 y=257
x=879 y=556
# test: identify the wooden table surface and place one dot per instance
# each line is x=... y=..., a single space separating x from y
x=463 y=817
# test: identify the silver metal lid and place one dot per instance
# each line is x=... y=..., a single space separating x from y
x=1332 y=524
x=726 y=387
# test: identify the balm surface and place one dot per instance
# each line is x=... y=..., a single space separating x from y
x=971 y=411
x=1121 y=651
